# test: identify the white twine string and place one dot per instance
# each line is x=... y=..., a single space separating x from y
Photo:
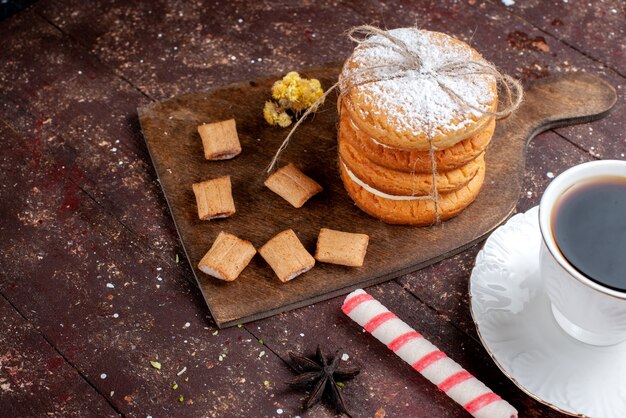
x=409 y=61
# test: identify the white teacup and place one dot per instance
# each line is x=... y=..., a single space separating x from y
x=586 y=310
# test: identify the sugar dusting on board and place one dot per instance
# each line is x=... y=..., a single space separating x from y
x=415 y=101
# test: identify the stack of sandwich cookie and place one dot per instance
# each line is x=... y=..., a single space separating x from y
x=412 y=139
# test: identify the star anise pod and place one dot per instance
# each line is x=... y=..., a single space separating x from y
x=322 y=374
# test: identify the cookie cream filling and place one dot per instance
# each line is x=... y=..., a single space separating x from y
x=378 y=193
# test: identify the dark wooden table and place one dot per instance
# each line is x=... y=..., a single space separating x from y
x=93 y=284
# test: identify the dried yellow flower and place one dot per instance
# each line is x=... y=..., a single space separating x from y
x=284 y=120
x=292 y=93
x=270 y=112
x=296 y=93
x=274 y=115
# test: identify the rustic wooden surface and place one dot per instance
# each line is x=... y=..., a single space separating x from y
x=89 y=284
x=170 y=131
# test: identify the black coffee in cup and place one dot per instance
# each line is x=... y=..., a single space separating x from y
x=589 y=227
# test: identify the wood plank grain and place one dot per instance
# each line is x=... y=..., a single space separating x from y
x=84 y=116
x=595 y=28
x=109 y=305
x=124 y=37
x=170 y=128
x=35 y=380
x=177 y=47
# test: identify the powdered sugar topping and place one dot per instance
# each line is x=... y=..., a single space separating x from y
x=415 y=102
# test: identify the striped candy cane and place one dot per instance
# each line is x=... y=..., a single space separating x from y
x=433 y=364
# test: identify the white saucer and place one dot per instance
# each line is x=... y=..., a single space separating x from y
x=514 y=321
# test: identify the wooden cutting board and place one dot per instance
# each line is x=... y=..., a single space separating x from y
x=170 y=131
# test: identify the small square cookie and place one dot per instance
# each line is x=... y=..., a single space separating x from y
x=227 y=257
x=292 y=185
x=286 y=256
x=214 y=198
x=344 y=248
x=220 y=140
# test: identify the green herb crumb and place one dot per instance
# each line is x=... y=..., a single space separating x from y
x=155 y=364
x=261 y=342
x=181 y=398
x=340 y=384
x=266 y=383
x=175 y=386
